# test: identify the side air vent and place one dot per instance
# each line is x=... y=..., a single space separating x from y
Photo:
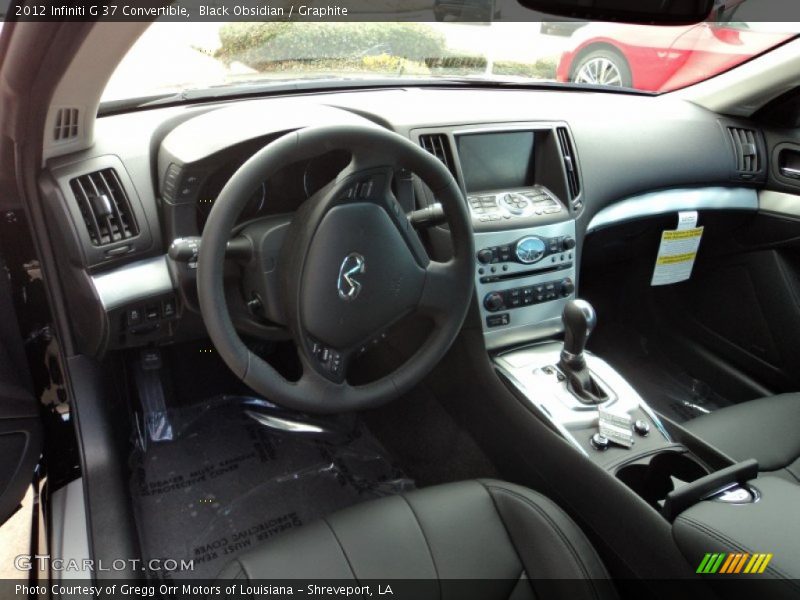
x=746 y=150
x=437 y=144
x=66 y=126
x=105 y=207
x=570 y=167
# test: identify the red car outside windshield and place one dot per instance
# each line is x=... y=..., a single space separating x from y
x=661 y=59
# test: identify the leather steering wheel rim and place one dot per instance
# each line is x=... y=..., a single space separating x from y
x=445 y=292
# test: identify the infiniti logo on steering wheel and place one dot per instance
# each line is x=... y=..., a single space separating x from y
x=347 y=284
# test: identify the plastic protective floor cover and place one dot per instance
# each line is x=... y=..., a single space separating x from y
x=225 y=483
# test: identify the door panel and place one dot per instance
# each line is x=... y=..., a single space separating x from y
x=20 y=427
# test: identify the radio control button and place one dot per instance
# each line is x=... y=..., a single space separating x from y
x=494 y=301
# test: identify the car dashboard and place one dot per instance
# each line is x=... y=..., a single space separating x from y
x=538 y=169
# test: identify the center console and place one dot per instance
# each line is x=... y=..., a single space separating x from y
x=523 y=217
x=523 y=191
x=582 y=396
x=726 y=518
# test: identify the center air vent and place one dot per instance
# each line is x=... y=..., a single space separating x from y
x=746 y=151
x=438 y=145
x=570 y=167
x=105 y=207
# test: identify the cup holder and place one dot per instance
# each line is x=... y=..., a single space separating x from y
x=653 y=481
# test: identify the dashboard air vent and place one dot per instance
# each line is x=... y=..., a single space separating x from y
x=570 y=166
x=746 y=150
x=437 y=144
x=66 y=126
x=105 y=207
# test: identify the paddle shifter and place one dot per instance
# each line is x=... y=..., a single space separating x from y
x=579 y=321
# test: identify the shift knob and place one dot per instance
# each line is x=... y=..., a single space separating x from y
x=579 y=321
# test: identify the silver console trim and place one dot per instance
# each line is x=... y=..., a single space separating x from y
x=523 y=368
x=542 y=410
x=533 y=322
x=133 y=282
x=674 y=200
x=779 y=203
x=511 y=127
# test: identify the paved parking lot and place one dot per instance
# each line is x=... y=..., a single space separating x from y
x=174 y=55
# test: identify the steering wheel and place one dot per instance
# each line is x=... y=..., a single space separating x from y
x=350 y=267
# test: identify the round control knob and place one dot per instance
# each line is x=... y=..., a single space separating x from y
x=567 y=287
x=569 y=243
x=515 y=203
x=494 y=301
x=600 y=442
x=641 y=427
x=485 y=256
x=530 y=249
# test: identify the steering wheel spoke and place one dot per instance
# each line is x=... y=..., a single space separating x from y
x=441 y=291
x=326 y=361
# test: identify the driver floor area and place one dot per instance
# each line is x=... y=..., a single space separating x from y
x=223 y=482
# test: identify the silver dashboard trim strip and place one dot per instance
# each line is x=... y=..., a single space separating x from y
x=511 y=127
x=133 y=282
x=668 y=201
x=779 y=203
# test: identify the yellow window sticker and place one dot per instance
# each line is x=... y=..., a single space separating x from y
x=678 y=250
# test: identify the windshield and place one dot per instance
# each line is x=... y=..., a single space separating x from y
x=180 y=57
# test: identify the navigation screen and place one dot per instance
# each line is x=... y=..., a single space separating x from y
x=494 y=161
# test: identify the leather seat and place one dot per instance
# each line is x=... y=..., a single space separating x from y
x=508 y=540
x=764 y=429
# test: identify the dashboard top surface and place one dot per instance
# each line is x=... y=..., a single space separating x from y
x=625 y=144
x=622 y=146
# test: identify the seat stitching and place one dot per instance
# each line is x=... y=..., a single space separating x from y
x=573 y=551
x=555 y=527
x=505 y=527
x=427 y=543
x=341 y=547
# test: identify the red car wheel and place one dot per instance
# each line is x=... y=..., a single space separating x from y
x=603 y=67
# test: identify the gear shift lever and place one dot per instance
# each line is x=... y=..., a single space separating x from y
x=579 y=320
